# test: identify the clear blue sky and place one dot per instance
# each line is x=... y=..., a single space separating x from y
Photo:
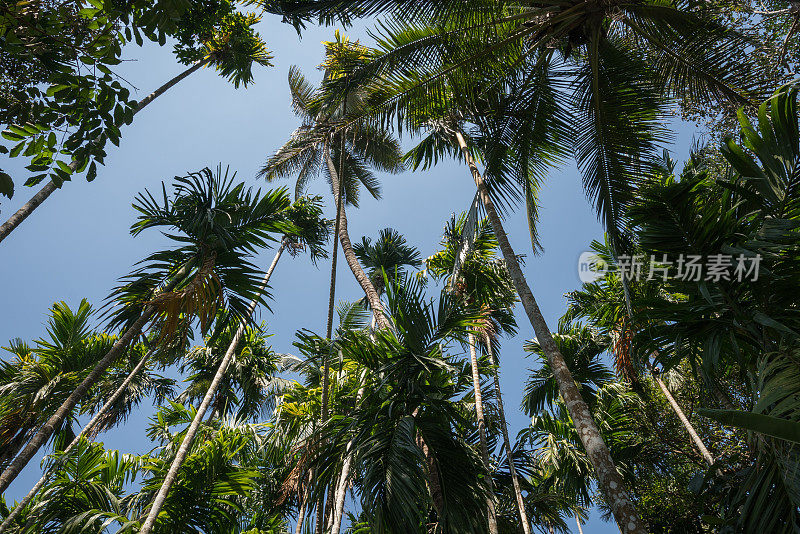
x=77 y=244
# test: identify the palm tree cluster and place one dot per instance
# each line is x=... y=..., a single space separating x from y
x=671 y=403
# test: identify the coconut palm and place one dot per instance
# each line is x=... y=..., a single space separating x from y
x=219 y=225
x=310 y=231
x=558 y=452
x=319 y=146
x=231 y=47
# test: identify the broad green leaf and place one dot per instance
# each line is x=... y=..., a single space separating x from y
x=756 y=422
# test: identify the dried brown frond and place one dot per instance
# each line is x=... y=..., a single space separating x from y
x=201 y=297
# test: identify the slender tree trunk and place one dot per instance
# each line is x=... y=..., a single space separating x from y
x=301 y=515
x=341 y=487
x=172 y=475
x=46 y=430
x=26 y=209
x=608 y=479
x=352 y=262
x=44 y=433
x=86 y=430
x=578 y=521
x=326 y=366
x=476 y=384
x=688 y=425
x=523 y=515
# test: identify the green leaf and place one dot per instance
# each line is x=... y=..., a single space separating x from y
x=11 y=136
x=92 y=174
x=64 y=167
x=6 y=185
x=16 y=150
x=756 y=422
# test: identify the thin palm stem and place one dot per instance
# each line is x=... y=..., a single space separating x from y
x=341 y=486
x=476 y=385
x=686 y=423
x=172 y=475
x=523 y=515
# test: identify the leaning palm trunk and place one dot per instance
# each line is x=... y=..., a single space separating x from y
x=23 y=212
x=183 y=450
x=523 y=515
x=608 y=478
x=44 y=433
x=85 y=431
x=476 y=384
x=350 y=257
x=688 y=425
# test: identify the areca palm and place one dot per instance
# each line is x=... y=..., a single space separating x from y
x=415 y=461
x=320 y=146
x=231 y=46
x=303 y=226
x=468 y=263
x=219 y=226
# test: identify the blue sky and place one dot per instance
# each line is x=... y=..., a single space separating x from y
x=77 y=244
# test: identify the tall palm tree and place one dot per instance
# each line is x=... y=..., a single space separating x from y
x=468 y=263
x=389 y=255
x=232 y=48
x=414 y=468
x=320 y=146
x=219 y=226
x=304 y=226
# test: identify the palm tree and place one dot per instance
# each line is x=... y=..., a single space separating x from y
x=304 y=227
x=220 y=225
x=232 y=48
x=413 y=467
x=320 y=146
x=468 y=264
x=345 y=156
x=389 y=255
x=118 y=405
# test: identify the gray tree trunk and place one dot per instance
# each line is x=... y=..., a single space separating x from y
x=523 y=515
x=44 y=433
x=341 y=486
x=172 y=475
x=688 y=425
x=86 y=430
x=26 y=209
x=476 y=385
x=352 y=262
x=609 y=480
